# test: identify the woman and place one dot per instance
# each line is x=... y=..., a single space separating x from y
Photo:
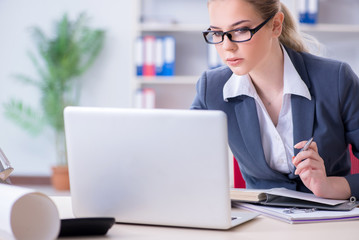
x=277 y=95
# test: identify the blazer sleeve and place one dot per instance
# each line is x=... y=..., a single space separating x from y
x=348 y=87
x=199 y=101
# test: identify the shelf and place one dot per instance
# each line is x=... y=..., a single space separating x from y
x=156 y=27
x=188 y=22
x=161 y=80
x=330 y=28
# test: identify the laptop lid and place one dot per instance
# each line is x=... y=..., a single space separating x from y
x=161 y=167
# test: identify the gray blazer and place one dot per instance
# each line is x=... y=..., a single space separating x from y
x=332 y=117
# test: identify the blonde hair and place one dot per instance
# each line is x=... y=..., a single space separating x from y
x=290 y=35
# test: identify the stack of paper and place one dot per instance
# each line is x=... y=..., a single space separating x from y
x=298 y=215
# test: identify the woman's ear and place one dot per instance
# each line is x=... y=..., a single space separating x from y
x=278 y=24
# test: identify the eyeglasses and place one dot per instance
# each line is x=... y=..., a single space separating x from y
x=236 y=35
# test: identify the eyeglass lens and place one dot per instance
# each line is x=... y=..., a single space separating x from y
x=234 y=35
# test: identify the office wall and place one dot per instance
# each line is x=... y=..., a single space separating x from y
x=106 y=84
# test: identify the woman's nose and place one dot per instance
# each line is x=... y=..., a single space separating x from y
x=228 y=44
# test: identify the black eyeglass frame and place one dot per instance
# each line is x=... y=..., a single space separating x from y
x=228 y=33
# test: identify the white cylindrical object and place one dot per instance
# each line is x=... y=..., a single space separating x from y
x=27 y=214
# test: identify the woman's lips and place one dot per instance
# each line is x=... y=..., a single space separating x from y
x=234 y=61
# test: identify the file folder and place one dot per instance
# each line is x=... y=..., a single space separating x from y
x=302 y=8
x=139 y=56
x=145 y=98
x=169 y=44
x=159 y=56
x=308 y=11
x=312 y=11
x=149 y=56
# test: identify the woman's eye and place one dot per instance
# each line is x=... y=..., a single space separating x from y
x=217 y=34
x=241 y=30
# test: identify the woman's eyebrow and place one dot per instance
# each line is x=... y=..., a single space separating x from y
x=232 y=25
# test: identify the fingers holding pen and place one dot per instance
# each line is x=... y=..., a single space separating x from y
x=308 y=152
x=310 y=167
x=304 y=155
x=308 y=159
x=313 y=145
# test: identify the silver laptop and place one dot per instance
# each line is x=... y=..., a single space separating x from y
x=157 y=167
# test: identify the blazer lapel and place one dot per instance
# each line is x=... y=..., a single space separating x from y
x=246 y=114
x=303 y=110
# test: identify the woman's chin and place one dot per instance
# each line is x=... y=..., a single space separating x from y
x=238 y=70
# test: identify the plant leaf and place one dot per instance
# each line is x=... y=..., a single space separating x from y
x=24 y=116
x=26 y=80
x=61 y=58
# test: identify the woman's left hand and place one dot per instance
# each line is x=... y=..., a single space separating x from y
x=311 y=170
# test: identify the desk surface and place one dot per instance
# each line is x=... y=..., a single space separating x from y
x=260 y=228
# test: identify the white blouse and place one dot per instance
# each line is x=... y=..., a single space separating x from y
x=277 y=141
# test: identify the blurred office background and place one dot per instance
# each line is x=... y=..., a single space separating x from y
x=112 y=80
x=107 y=83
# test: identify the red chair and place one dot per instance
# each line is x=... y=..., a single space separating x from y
x=355 y=162
x=237 y=176
x=240 y=183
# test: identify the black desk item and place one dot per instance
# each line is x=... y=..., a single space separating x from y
x=85 y=226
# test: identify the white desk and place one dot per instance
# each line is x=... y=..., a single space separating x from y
x=260 y=228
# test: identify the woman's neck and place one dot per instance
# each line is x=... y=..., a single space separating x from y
x=268 y=77
x=269 y=83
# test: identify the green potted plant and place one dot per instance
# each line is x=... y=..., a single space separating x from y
x=62 y=59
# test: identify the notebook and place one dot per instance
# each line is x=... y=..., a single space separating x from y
x=157 y=167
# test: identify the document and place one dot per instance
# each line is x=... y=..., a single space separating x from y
x=299 y=215
x=27 y=214
x=290 y=198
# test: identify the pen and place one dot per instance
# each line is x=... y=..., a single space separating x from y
x=306 y=146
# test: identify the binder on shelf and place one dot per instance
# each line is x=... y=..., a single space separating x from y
x=138 y=98
x=302 y=9
x=139 y=51
x=145 y=98
x=313 y=6
x=149 y=98
x=169 y=45
x=149 y=56
x=159 y=56
x=308 y=11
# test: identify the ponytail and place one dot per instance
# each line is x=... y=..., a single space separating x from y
x=290 y=36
